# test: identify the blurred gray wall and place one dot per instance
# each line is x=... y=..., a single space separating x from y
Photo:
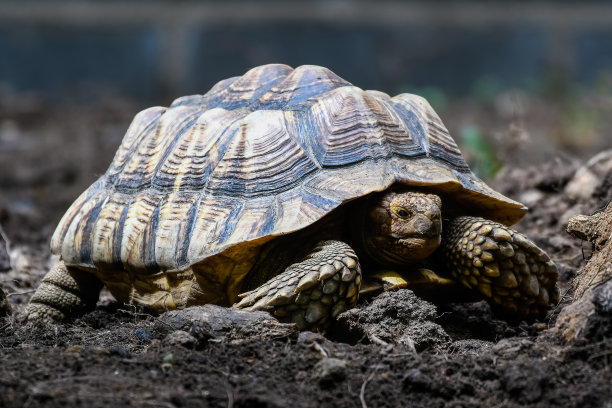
x=157 y=50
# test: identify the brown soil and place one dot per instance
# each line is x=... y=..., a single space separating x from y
x=394 y=350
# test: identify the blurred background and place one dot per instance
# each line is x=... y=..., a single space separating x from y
x=516 y=82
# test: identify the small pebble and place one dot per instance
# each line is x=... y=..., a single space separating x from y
x=180 y=338
x=143 y=335
x=120 y=351
x=329 y=371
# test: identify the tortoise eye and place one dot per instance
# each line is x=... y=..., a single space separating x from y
x=401 y=212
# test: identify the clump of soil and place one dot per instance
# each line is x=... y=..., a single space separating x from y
x=394 y=350
x=398 y=317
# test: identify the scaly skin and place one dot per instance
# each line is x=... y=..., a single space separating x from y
x=64 y=293
x=512 y=273
x=312 y=291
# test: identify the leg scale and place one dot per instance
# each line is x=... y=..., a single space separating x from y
x=513 y=274
x=64 y=292
x=313 y=291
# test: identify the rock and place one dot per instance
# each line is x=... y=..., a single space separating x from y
x=582 y=227
x=397 y=317
x=211 y=321
x=329 y=371
x=308 y=337
x=217 y=317
x=512 y=347
x=590 y=176
x=180 y=338
x=531 y=197
x=143 y=335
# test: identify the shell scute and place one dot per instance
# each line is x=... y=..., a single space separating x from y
x=260 y=158
x=215 y=220
x=176 y=220
x=303 y=83
x=142 y=125
x=428 y=130
x=239 y=92
x=137 y=231
x=76 y=232
x=197 y=153
x=142 y=167
x=249 y=88
x=352 y=130
x=107 y=229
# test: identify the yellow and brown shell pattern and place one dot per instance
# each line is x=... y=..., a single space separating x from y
x=207 y=180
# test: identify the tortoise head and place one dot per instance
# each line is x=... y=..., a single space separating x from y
x=403 y=227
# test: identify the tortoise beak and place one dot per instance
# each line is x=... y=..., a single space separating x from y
x=424 y=226
x=421 y=226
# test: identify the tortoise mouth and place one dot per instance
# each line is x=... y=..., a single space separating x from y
x=415 y=241
x=419 y=244
x=431 y=234
x=407 y=250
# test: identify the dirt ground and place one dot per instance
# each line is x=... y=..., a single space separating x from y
x=394 y=350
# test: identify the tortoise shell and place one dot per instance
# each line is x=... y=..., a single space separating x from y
x=256 y=157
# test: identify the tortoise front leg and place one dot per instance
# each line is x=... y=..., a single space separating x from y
x=513 y=273
x=312 y=291
x=63 y=293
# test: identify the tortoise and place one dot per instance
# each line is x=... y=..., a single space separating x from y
x=274 y=191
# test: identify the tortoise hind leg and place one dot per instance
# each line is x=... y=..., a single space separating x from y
x=63 y=293
x=514 y=274
x=312 y=291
